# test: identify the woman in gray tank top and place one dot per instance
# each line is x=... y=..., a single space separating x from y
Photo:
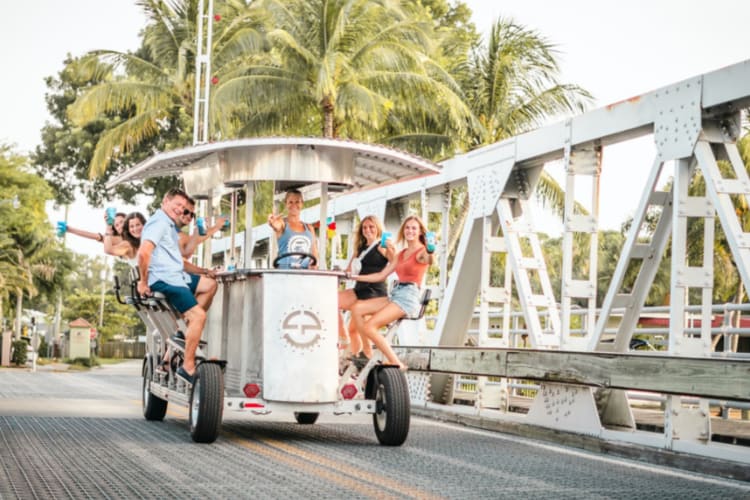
x=293 y=235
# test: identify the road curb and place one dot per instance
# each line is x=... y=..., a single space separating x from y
x=704 y=465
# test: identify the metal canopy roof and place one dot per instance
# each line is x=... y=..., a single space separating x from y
x=291 y=161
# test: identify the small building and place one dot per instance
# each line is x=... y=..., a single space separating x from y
x=79 y=339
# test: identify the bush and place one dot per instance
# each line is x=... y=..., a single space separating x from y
x=87 y=362
x=42 y=349
x=19 y=352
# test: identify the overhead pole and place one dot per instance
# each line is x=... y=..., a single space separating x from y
x=204 y=24
x=202 y=72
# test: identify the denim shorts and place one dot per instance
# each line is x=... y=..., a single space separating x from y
x=181 y=297
x=406 y=296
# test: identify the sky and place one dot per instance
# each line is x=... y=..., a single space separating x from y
x=614 y=49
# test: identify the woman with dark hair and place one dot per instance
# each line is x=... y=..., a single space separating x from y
x=369 y=258
x=410 y=265
x=129 y=242
x=114 y=229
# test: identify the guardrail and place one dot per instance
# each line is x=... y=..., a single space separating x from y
x=729 y=312
x=727 y=379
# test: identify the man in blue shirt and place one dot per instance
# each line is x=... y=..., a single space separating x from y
x=162 y=270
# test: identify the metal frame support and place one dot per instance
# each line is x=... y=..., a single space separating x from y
x=685 y=276
x=649 y=252
x=515 y=228
x=580 y=161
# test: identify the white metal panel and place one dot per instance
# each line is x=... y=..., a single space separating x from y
x=300 y=331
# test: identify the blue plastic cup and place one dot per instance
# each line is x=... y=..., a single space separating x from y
x=111 y=213
x=62 y=227
x=385 y=237
x=200 y=223
x=431 y=241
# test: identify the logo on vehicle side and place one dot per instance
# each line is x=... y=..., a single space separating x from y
x=302 y=329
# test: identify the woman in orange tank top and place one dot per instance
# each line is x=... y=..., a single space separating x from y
x=410 y=266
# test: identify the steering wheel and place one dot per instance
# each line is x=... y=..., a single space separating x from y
x=313 y=260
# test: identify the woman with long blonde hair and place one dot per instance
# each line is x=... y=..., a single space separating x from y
x=410 y=265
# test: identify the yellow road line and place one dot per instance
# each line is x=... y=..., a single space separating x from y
x=340 y=473
x=306 y=465
x=363 y=475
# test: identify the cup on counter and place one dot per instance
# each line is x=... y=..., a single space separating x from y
x=111 y=214
x=384 y=238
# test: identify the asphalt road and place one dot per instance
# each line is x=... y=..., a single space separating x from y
x=82 y=435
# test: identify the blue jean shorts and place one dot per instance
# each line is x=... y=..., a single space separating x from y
x=181 y=297
x=406 y=296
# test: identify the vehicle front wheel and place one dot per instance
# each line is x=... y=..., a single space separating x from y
x=206 y=403
x=392 y=415
x=154 y=408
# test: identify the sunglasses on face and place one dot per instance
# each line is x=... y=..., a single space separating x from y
x=188 y=212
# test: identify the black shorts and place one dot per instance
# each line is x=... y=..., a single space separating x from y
x=370 y=291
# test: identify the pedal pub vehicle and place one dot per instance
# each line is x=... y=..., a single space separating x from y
x=270 y=342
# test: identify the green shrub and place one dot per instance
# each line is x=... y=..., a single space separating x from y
x=87 y=362
x=42 y=349
x=19 y=352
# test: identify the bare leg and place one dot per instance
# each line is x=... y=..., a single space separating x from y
x=196 y=319
x=383 y=317
x=347 y=298
x=205 y=291
x=355 y=341
x=361 y=310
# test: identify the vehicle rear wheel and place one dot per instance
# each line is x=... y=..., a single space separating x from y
x=154 y=408
x=306 y=418
x=392 y=406
x=206 y=403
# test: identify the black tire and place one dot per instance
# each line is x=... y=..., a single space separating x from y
x=306 y=418
x=392 y=406
x=206 y=403
x=154 y=408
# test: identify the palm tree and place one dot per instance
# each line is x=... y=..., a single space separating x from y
x=25 y=242
x=152 y=90
x=344 y=68
x=512 y=86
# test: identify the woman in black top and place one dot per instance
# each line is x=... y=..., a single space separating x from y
x=369 y=258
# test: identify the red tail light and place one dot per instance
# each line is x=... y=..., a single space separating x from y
x=251 y=390
x=349 y=391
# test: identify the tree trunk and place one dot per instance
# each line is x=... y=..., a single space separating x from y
x=19 y=306
x=327 y=107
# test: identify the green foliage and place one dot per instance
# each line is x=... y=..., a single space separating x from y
x=83 y=299
x=43 y=347
x=30 y=259
x=513 y=83
x=85 y=362
x=19 y=355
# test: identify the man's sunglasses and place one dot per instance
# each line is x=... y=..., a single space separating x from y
x=188 y=212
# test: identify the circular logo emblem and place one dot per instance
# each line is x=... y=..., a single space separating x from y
x=299 y=243
x=301 y=329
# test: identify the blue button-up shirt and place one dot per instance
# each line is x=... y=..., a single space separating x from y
x=166 y=260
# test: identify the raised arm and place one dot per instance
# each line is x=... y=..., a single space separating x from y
x=191 y=242
x=276 y=221
x=85 y=234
